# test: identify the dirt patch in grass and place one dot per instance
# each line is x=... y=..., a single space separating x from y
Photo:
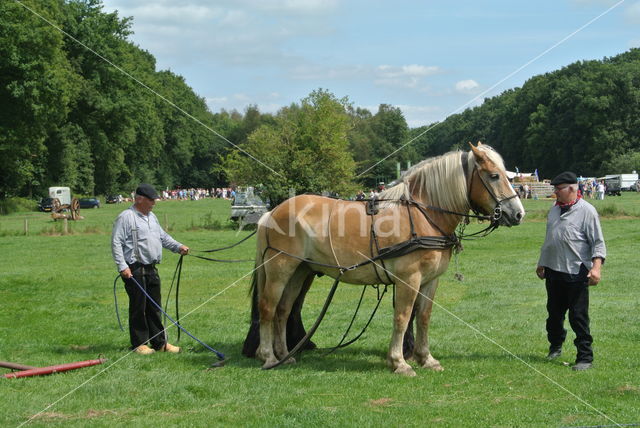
x=89 y=414
x=628 y=388
x=51 y=415
x=381 y=402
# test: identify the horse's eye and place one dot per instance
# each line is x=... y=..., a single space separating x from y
x=495 y=176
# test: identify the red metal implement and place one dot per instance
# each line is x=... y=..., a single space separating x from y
x=39 y=371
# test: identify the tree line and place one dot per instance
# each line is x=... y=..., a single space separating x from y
x=584 y=117
x=68 y=117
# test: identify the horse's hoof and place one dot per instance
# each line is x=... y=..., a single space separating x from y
x=405 y=371
x=430 y=363
x=269 y=364
x=435 y=368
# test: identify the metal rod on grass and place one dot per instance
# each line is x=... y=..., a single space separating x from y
x=15 y=366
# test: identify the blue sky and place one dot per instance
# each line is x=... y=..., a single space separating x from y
x=430 y=58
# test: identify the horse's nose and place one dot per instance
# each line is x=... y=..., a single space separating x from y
x=519 y=216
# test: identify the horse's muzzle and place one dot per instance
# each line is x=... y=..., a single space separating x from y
x=511 y=218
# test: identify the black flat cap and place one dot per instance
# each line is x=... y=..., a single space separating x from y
x=147 y=190
x=566 y=177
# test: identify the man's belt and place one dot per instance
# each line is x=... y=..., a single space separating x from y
x=137 y=265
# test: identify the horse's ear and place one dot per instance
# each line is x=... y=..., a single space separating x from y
x=479 y=155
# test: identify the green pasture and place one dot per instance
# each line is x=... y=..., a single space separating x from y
x=56 y=306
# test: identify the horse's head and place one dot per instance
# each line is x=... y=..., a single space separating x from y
x=489 y=189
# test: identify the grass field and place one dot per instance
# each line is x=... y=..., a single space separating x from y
x=56 y=306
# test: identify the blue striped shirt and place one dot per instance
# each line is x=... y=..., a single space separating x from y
x=573 y=238
x=151 y=238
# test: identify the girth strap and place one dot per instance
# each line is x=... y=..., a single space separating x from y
x=418 y=243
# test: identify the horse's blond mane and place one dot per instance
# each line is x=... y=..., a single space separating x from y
x=439 y=181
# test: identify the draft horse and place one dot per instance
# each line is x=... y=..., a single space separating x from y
x=405 y=238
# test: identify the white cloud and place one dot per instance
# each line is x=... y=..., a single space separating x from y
x=238 y=32
x=216 y=100
x=405 y=76
x=171 y=13
x=297 y=7
x=421 y=115
x=469 y=86
x=412 y=70
x=319 y=72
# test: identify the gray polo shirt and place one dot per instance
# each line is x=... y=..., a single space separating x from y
x=572 y=239
x=151 y=238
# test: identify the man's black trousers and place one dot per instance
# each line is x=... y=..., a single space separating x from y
x=565 y=296
x=145 y=320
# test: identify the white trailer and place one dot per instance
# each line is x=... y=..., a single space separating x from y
x=62 y=193
x=627 y=180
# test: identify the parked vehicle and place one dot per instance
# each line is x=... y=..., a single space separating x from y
x=45 y=204
x=620 y=182
x=627 y=181
x=612 y=183
x=247 y=208
x=89 y=203
x=63 y=194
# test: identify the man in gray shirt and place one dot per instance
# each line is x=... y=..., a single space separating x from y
x=136 y=245
x=570 y=261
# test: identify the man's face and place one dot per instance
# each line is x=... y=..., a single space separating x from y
x=565 y=193
x=144 y=204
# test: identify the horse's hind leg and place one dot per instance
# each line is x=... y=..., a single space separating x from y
x=290 y=294
x=295 y=327
x=278 y=271
x=406 y=291
x=424 y=304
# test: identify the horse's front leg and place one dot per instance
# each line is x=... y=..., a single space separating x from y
x=406 y=291
x=424 y=304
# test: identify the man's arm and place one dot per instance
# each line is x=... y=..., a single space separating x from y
x=118 y=237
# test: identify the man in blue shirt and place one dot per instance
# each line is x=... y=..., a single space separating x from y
x=570 y=261
x=136 y=245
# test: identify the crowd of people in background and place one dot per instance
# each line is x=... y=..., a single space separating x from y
x=587 y=188
x=592 y=188
x=200 y=193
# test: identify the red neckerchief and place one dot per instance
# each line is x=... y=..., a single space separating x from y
x=568 y=204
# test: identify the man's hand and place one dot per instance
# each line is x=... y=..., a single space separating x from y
x=594 y=273
x=184 y=250
x=540 y=272
x=126 y=274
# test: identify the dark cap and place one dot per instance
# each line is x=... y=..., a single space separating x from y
x=147 y=191
x=566 y=177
